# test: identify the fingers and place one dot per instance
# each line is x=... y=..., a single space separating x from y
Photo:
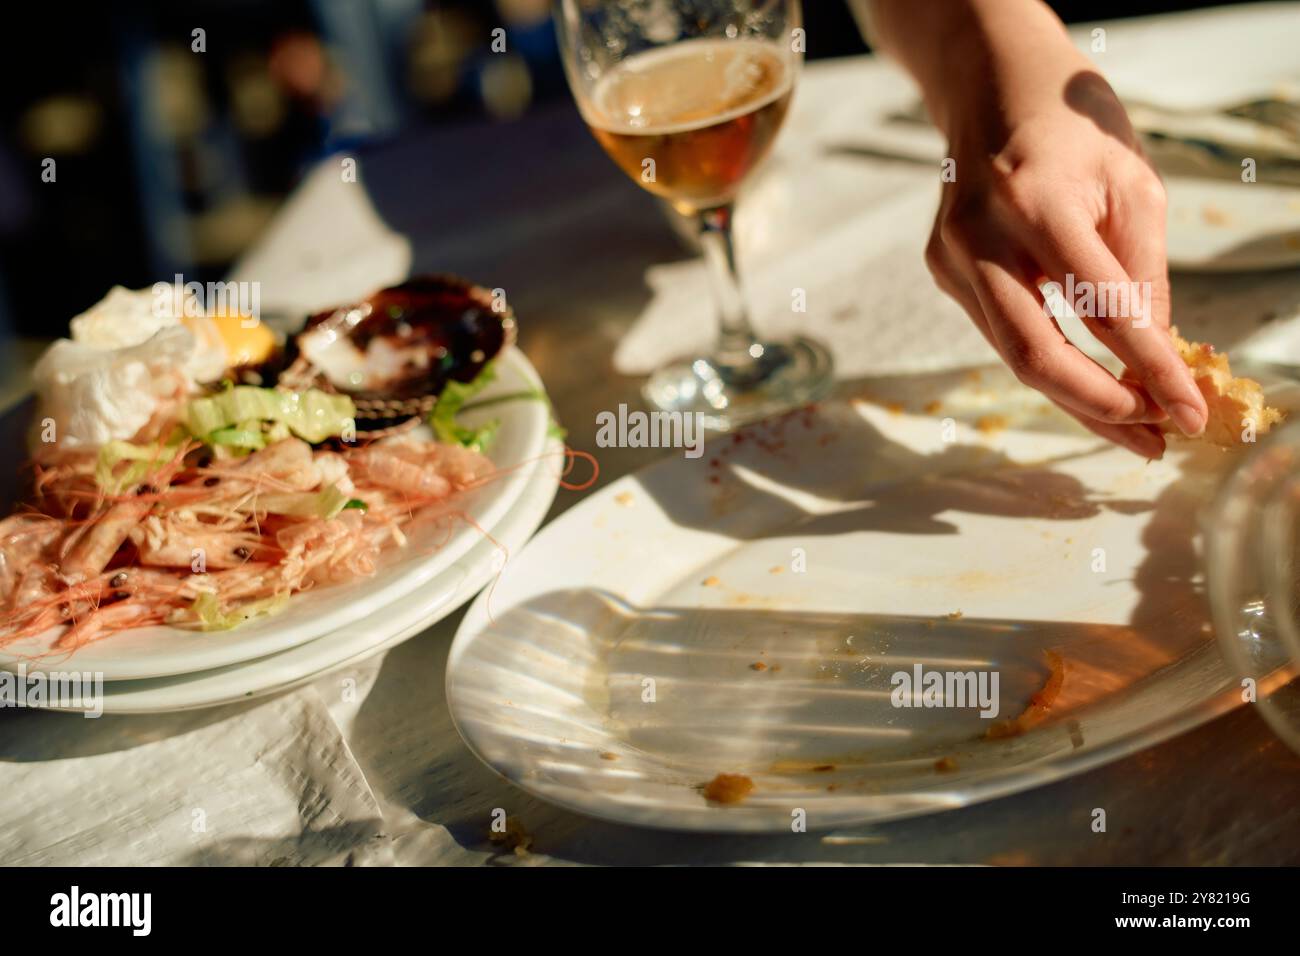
x=1143 y=440
x=1140 y=439
x=1041 y=356
x=1124 y=315
x=1134 y=231
x=948 y=278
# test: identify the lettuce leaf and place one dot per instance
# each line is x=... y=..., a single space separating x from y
x=207 y=608
x=312 y=415
x=248 y=436
x=144 y=460
x=453 y=398
x=553 y=428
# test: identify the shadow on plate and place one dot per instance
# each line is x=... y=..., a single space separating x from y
x=756 y=477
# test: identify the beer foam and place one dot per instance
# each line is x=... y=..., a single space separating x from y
x=698 y=83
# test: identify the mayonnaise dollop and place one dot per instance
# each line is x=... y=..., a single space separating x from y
x=128 y=353
x=89 y=396
x=127 y=317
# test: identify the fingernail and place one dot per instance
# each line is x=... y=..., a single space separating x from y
x=1189 y=421
x=1147 y=443
x=1141 y=407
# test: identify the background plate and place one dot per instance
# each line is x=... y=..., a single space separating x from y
x=1226 y=226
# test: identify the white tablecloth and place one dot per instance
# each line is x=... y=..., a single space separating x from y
x=325 y=775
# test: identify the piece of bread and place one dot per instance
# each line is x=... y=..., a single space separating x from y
x=1233 y=402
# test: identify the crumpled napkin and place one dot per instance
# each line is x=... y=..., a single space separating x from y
x=268 y=783
x=327 y=246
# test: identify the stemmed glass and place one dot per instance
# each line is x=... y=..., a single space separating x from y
x=686 y=96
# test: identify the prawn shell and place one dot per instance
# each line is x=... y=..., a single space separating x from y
x=461 y=325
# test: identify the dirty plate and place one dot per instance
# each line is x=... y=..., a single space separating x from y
x=748 y=612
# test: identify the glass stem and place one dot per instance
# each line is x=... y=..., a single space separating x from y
x=735 y=335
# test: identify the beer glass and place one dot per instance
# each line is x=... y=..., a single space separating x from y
x=686 y=96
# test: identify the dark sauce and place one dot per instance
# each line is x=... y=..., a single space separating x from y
x=450 y=323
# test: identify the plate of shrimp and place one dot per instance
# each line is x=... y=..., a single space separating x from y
x=240 y=521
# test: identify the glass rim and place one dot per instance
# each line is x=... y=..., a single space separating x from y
x=1232 y=546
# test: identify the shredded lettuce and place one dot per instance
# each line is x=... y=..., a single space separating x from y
x=249 y=436
x=312 y=415
x=144 y=459
x=326 y=503
x=453 y=398
x=553 y=428
x=207 y=608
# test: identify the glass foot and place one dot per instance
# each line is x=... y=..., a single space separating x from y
x=772 y=377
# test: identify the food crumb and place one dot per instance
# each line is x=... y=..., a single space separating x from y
x=1039 y=704
x=608 y=755
x=514 y=837
x=933 y=407
x=728 y=788
x=758 y=666
x=894 y=408
x=624 y=498
x=1213 y=215
x=954 y=615
x=945 y=765
x=823 y=768
x=775 y=569
x=988 y=424
x=710 y=582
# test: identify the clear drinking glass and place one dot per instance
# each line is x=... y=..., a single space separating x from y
x=686 y=96
x=1252 y=558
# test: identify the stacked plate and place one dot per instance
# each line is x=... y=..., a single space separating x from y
x=156 y=669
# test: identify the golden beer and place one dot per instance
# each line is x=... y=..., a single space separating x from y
x=689 y=121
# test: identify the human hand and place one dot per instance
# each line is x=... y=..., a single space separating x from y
x=1051 y=185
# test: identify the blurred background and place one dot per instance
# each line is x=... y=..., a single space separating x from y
x=174 y=130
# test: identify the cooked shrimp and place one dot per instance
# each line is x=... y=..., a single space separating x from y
x=94 y=562
x=25 y=540
x=93 y=549
x=105 y=620
x=288 y=461
x=168 y=541
x=383 y=468
x=421 y=469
